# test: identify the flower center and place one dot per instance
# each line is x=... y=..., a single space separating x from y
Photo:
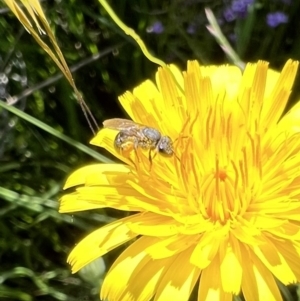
x=224 y=171
x=221 y=175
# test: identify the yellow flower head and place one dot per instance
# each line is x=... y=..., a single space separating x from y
x=223 y=212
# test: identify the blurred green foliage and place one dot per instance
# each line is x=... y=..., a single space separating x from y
x=34 y=238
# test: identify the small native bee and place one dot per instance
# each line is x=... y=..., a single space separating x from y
x=133 y=135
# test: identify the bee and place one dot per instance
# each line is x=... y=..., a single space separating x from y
x=132 y=136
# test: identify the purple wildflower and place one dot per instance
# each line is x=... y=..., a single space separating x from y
x=237 y=9
x=157 y=28
x=229 y=14
x=276 y=18
x=240 y=7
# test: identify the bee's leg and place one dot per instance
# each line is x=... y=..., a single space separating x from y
x=126 y=154
x=150 y=158
x=134 y=159
x=136 y=145
x=154 y=153
x=135 y=166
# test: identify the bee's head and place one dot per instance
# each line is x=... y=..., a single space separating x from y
x=165 y=146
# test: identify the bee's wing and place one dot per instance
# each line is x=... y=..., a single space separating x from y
x=121 y=125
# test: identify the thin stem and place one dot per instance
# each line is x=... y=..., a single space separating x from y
x=216 y=31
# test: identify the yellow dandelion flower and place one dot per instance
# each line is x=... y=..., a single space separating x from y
x=222 y=214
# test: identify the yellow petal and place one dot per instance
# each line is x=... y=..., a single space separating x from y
x=258 y=283
x=230 y=262
x=101 y=174
x=72 y=203
x=210 y=286
x=205 y=250
x=143 y=105
x=290 y=251
x=275 y=103
x=154 y=225
x=178 y=280
x=275 y=262
x=99 y=243
x=126 y=270
x=174 y=100
x=267 y=286
x=170 y=246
